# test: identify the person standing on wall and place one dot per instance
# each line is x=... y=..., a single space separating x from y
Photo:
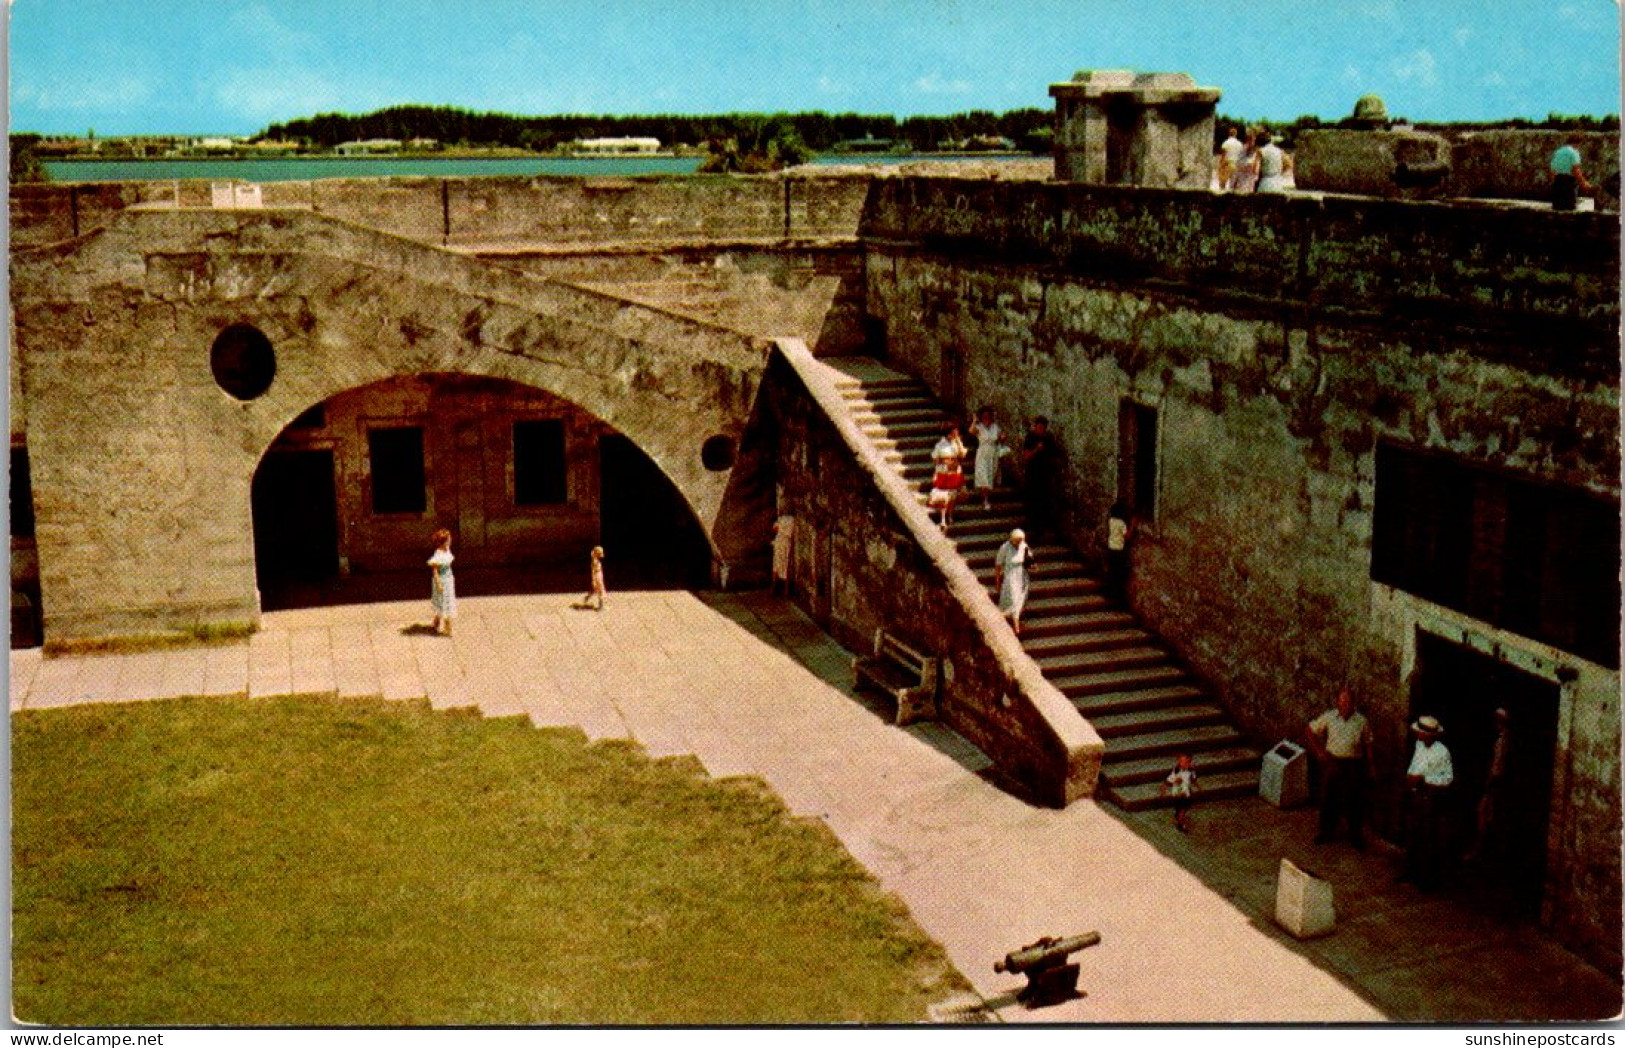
x=1427 y=788
x=1039 y=455
x=1231 y=153
x=1567 y=177
x=1274 y=164
x=1341 y=738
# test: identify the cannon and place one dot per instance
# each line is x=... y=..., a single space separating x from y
x=1050 y=978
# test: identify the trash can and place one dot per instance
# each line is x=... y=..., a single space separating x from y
x=1303 y=902
x=1284 y=778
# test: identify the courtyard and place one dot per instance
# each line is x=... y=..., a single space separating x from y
x=750 y=687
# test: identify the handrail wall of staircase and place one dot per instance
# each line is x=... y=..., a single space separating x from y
x=1040 y=718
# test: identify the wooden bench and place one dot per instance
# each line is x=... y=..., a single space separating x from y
x=902 y=672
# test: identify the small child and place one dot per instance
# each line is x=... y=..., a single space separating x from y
x=443 y=589
x=1181 y=785
x=597 y=589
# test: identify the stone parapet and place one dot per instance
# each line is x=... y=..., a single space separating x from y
x=1501 y=164
x=1536 y=288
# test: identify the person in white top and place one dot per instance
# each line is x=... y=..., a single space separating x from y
x=1231 y=152
x=1341 y=738
x=784 y=536
x=1427 y=785
x=1119 y=526
x=989 y=447
x=442 y=586
x=1012 y=577
x=1273 y=165
x=949 y=478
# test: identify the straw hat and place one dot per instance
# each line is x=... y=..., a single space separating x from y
x=1428 y=725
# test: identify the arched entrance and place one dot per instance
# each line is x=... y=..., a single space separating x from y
x=347 y=497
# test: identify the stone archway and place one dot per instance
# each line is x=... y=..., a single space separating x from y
x=143 y=456
x=345 y=500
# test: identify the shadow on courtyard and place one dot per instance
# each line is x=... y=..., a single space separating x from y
x=1462 y=954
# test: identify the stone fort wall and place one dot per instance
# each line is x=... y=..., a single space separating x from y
x=1278 y=341
x=493 y=213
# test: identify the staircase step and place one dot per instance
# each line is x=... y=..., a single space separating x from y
x=1065 y=622
x=1057 y=643
x=1070 y=663
x=887 y=402
x=1087 y=603
x=876 y=428
x=1051 y=560
x=1046 y=585
x=890 y=415
x=1175 y=741
x=1075 y=686
x=1152 y=721
x=876 y=384
x=906 y=446
x=1149 y=795
x=1106 y=703
x=1206 y=763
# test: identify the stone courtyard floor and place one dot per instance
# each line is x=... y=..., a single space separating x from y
x=751 y=687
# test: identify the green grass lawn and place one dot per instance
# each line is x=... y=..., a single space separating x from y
x=315 y=862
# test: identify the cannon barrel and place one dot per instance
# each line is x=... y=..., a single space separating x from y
x=1044 y=953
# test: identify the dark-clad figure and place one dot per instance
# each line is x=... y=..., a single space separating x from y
x=1040 y=457
x=1567 y=176
x=1427 y=789
x=1341 y=738
x=1495 y=805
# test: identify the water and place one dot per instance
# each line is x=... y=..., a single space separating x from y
x=299 y=169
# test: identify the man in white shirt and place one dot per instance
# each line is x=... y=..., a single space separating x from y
x=1427 y=785
x=1341 y=738
x=1230 y=154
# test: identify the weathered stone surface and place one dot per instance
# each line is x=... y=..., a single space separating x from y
x=143 y=463
x=859 y=566
x=1140 y=129
x=1504 y=164
x=1274 y=374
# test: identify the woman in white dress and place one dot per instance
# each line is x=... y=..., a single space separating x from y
x=988 y=450
x=1012 y=577
x=949 y=478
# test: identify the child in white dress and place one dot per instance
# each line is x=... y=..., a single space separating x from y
x=443 y=592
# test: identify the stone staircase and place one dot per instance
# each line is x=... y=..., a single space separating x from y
x=1141 y=700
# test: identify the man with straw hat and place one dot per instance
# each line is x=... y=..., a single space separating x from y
x=1427 y=783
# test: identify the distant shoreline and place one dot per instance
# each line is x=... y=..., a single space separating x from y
x=303 y=168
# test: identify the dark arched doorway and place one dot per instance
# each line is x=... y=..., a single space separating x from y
x=347 y=498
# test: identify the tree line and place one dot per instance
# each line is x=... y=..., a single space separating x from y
x=1026 y=128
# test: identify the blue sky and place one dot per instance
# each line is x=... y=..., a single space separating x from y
x=235 y=66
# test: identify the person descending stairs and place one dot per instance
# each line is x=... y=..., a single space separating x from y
x=1135 y=691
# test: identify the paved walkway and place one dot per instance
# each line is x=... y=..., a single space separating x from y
x=750 y=686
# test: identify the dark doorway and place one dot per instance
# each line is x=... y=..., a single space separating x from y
x=1464 y=687
x=650 y=536
x=296 y=542
x=1137 y=458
